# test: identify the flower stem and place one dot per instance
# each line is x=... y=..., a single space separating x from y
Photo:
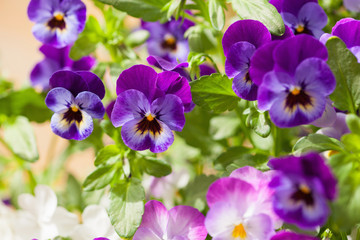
x=277 y=140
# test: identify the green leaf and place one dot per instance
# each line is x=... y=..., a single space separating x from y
x=137 y=38
x=19 y=136
x=99 y=178
x=172 y=8
x=201 y=39
x=110 y=153
x=214 y=93
x=353 y=122
x=156 y=167
x=87 y=40
x=259 y=123
x=351 y=142
x=262 y=11
x=346 y=69
x=317 y=142
x=126 y=207
x=147 y=10
x=73 y=198
x=217 y=15
x=224 y=126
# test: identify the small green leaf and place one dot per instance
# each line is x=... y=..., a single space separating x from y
x=72 y=196
x=351 y=142
x=260 y=124
x=317 y=142
x=110 y=153
x=217 y=15
x=156 y=167
x=346 y=69
x=224 y=126
x=262 y=11
x=147 y=10
x=214 y=93
x=200 y=39
x=172 y=8
x=353 y=123
x=126 y=207
x=137 y=38
x=100 y=178
x=19 y=136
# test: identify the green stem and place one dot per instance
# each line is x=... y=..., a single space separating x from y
x=243 y=126
x=277 y=140
x=193 y=19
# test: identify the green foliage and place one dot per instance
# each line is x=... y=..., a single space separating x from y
x=148 y=10
x=214 y=93
x=126 y=207
x=346 y=69
x=110 y=154
x=317 y=142
x=258 y=121
x=353 y=123
x=217 y=15
x=262 y=11
x=155 y=167
x=99 y=178
x=20 y=138
x=200 y=38
x=224 y=126
x=137 y=38
x=72 y=196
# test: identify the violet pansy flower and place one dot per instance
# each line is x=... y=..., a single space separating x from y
x=167 y=40
x=149 y=106
x=338 y=129
x=284 y=235
x=240 y=42
x=57 y=22
x=57 y=59
x=303 y=186
x=75 y=98
x=178 y=223
x=296 y=90
x=352 y=5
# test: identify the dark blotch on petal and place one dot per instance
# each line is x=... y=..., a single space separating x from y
x=169 y=43
x=297 y=97
x=148 y=124
x=57 y=22
x=73 y=115
x=303 y=194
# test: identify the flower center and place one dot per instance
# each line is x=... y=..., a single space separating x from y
x=148 y=123
x=73 y=114
x=247 y=78
x=304 y=194
x=169 y=42
x=297 y=96
x=57 y=22
x=239 y=231
x=301 y=28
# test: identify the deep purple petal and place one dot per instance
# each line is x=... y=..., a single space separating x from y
x=284 y=235
x=57 y=54
x=42 y=72
x=244 y=88
x=206 y=70
x=129 y=105
x=250 y=31
x=277 y=4
x=292 y=51
x=109 y=108
x=94 y=83
x=90 y=103
x=133 y=138
x=162 y=141
x=293 y=6
x=262 y=62
x=68 y=80
x=59 y=99
x=186 y=221
x=349 y=31
x=138 y=77
x=83 y=64
x=238 y=58
x=169 y=110
x=164 y=64
x=173 y=83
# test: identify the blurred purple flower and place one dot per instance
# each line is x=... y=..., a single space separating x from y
x=348 y=30
x=57 y=22
x=338 y=128
x=240 y=42
x=149 y=105
x=57 y=59
x=179 y=223
x=303 y=185
x=75 y=98
x=167 y=40
x=284 y=235
x=352 y=5
x=296 y=90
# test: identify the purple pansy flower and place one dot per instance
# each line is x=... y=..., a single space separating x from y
x=75 y=98
x=302 y=16
x=241 y=206
x=294 y=80
x=179 y=223
x=302 y=187
x=58 y=22
x=240 y=42
x=167 y=40
x=352 y=5
x=57 y=59
x=348 y=30
x=284 y=235
x=149 y=106
x=338 y=129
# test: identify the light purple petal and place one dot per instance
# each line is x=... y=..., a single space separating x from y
x=161 y=142
x=250 y=31
x=243 y=87
x=314 y=16
x=133 y=138
x=164 y=64
x=187 y=222
x=144 y=233
x=328 y=118
x=169 y=110
x=352 y=5
x=94 y=83
x=90 y=103
x=41 y=10
x=356 y=51
x=42 y=72
x=238 y=58
x=338 y=129
x=323 y=39
x=256 y=178
x=68 y=80
x=45 y=35
x=259 y=227
x=129 y=105
x=59 y=99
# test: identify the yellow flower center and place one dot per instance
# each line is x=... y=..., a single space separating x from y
x=239 y=231
x=295 y=91
x=300 y=28
x=149 y=117
x=305 y=189
x=59 y=16
x=74 y=108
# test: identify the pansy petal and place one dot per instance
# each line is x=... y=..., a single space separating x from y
x=144 y=233
x=59 y=99
x=244 y=87
x=328 y=117
x=129 y=105
x=284 y=235
x=169 y=110
x=349 y=31
x=57 y=54
x=91 y=103
x=133 y=138
x=293 y=6
x=155 y=217
x=160 y=142
x=292 y=51
x=259 y=227
x=164 y=64
x=68 y=80
x=206 y=70
x=186 y=221
x=138 y=77
x=83 y=64
x=247 y=30
x=41 y=10
x=42 y=72
x=238 y=58
x=352 y=5
x=65 y=221
x=94 y=83
x=315 y=215
x=314 y=16
x=44 y=34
